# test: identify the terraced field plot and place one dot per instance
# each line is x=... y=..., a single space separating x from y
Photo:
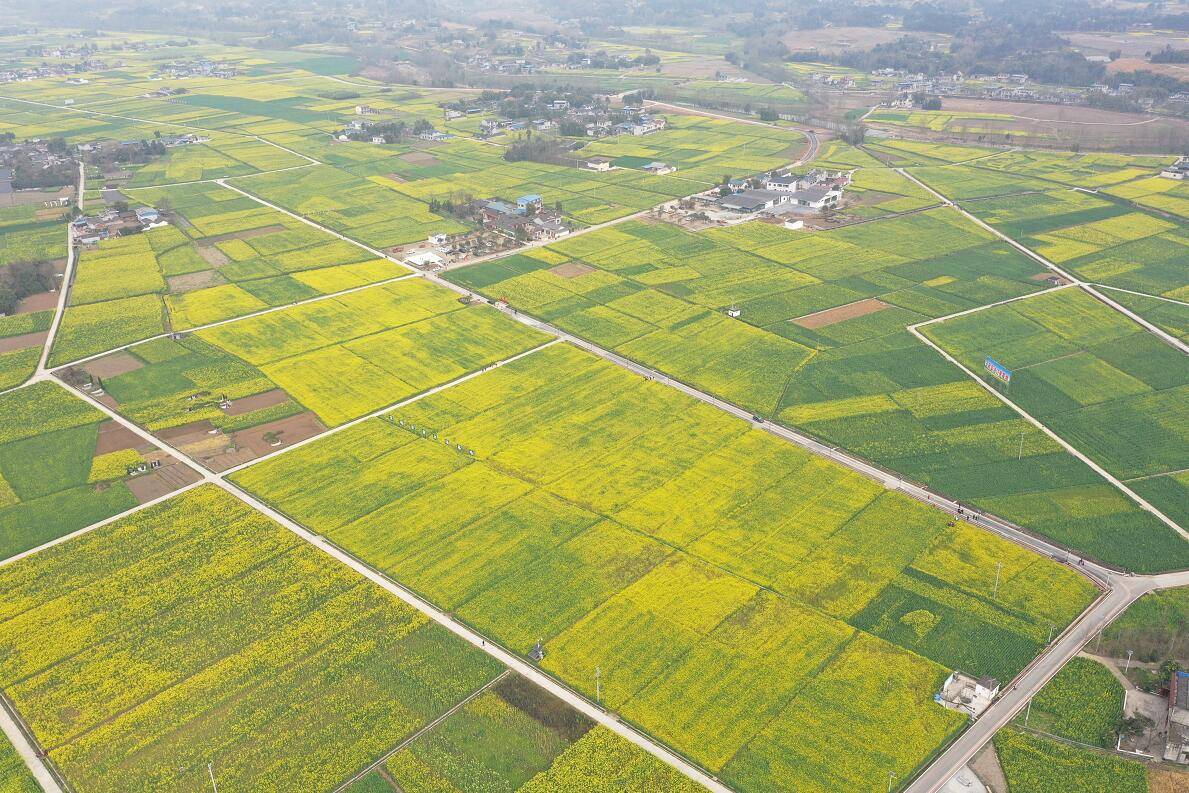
x=809 y=350
x=1100 y=240
x=1111 y=389
x=63 y=466
x=515 y=737
x=652 y=537
x=199 y=631
x=338 y=359
x=224 y=257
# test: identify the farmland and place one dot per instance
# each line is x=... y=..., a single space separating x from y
x=199 y=629
x=14 y=776
x=1099 y=239
x=57 y=473
x=225 y=256
x=1154 y=628
x=360 y=208
x=1083 y=703
x=1035 y=765
x=332 y=360
x=515 y=737
x=34 y=239
x=775 y=617
x=571 y=530
x=1101 y=382
x=821 y=344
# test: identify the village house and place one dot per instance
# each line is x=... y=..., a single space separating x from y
x=967 y=694
x=816 y=197
x=659 y=168
x=752 y=201
x=599 y=164
x=784 y=184
x=1178 y=170
x=528 y=203
x=643 y=125
x=1176 y=747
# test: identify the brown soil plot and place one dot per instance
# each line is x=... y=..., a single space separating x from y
x=831 y=316
x=113 y=365
x=191 y=281
x=257 y=401
x=24 y=341
x=571 y=269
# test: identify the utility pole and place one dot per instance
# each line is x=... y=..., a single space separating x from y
x=998 y=569
x=891 y=779
x=211 y=771
x=1021 y=455
x=598 y=686
x=1028 y=713
x=1051 y=629
x=1128 y=666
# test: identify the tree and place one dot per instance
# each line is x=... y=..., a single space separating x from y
x=8 y=299
x=1134 y=726
x=854 y=134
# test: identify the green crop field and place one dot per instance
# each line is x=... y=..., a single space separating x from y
x=1090 y=170
x=52 y=480
x=1098 y=239
x=1083 y=702
x=516 y=737
x=24 y=237
x=1153 y=192
x=779 y=620
x=534 y=505
x=1033 y=764
x=14 y=776
x=362 y=209
x=1104 y=384
x=1155 y=628
x=199 y=631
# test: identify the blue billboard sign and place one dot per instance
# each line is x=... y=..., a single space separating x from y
x=997 y=370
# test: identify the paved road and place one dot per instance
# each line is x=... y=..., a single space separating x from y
x=25 y=750
x=67 y=280
x=1125 y=590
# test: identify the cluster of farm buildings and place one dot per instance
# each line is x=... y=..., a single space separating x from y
x=93 y=229
x=776 y=192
